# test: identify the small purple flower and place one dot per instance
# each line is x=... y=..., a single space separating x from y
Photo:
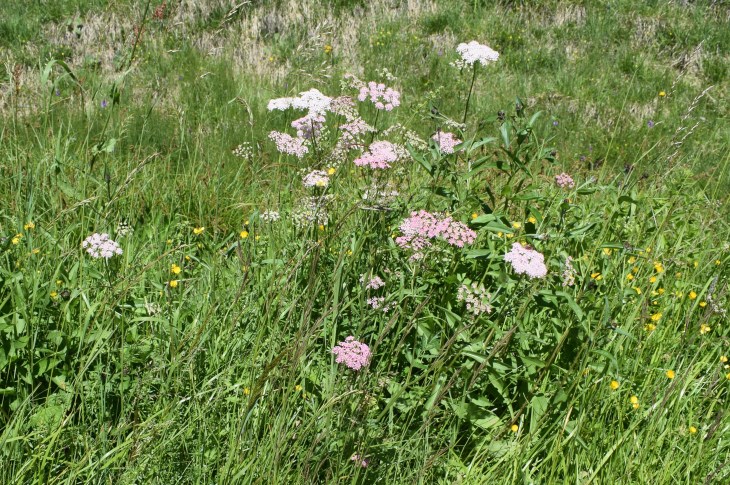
x=555 y=122
x=104 y=104
x=58 y=92
x=650 y=123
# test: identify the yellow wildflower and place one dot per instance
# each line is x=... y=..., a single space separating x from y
x=703 y=304
x=331 y=171
x=629 y=277
x=297 y=388
x=704 y=328
x=54 y=294
x=652 y=279
x=649 y=327
x=723 y=359
x=692 y=429
x=637 y=290
x=246 y=391
x=607 y=251
x=662 y=94
x=614 y=385
x=670 y=374
x=632 y=259
x=510 y=236
x=514 y=428
x=327 y=49
x=244 y=234
x=635 y=269
x=532 y=220
x=516 y=225
x=718 y=262
x=173 y=283
x=656 y=317
x=29 y=225
x=198 y=231
x=16 y=239
x=692 y=295
x=321 y=227
x=175 y=269
x=695 y=264
x=499 y=234
x=634 y=402
x=596 y=276
x=658 y=267
x=36 y=251
x=660 y=291
x=474 y=215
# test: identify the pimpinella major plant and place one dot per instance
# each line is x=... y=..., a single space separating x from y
x=434 y=303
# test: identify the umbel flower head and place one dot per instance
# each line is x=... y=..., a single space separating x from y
x=380 y=95
x=101 y=246
x=380 y=155
x=422 y=226
x=526 y=261
x=352 y=353
x=446 y=141
x=316 y=178
x=476 y=52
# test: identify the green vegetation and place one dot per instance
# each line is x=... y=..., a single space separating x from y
x=204 y=352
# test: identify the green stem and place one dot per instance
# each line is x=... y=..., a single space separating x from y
x=471 y=88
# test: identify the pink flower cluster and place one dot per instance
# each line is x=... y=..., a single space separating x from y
x=382 y=97
x=564 y=181
x=423 y=226
x=374 y=283
x=288 y=144
x=476 y=52
x=101 y=246
x=380 y=155
x=351 y=131
x=352 y=353
x=526 y=261
x=316 y=178
x=308 y=126
x=446 y=141
x=359 y=460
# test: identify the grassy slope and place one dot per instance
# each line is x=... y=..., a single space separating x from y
x=205 y=390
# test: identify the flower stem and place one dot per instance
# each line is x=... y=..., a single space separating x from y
x=471 y=88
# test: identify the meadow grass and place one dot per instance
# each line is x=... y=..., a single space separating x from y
x=203 y=352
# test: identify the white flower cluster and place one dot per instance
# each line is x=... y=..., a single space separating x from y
x=313 y=101
x=270 y=216
x=316 y=178
x=475 y=52
x=476 y=298
x=101 y=246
